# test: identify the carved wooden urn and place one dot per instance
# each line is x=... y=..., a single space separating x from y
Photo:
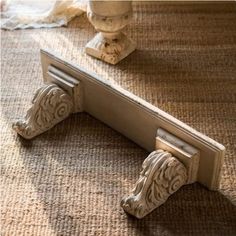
x=109 y=18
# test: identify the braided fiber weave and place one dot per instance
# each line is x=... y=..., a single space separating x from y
x=70 y=180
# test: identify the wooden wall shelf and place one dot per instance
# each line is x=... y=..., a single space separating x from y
x=180 y=155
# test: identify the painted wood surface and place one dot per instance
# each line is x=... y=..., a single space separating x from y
x=135 y=118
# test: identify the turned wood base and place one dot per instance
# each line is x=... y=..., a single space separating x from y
x=110 y=50
x=109 y=18
x=179 y=154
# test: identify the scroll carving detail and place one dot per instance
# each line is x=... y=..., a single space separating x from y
x=161 y=176
x=50 y=105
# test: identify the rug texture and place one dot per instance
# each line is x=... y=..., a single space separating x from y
x=70 y=180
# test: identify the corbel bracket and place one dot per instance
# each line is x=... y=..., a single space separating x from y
x=181 y=154
x=164 y=171
x=52 y=103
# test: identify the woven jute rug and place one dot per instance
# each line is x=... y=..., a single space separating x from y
x=70 y=180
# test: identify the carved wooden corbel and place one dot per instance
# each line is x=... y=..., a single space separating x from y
x=109 y=18
x=50 y=105
x=162 y=174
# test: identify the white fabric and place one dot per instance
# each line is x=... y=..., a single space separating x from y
x=22 y=14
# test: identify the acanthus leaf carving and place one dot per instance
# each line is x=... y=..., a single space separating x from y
x=161 y=175
x=50 y=105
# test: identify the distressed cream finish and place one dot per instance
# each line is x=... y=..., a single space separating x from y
x=109 y=18
x=161 y=176
x=50 y=105
x=198 y=157
x=163 y=173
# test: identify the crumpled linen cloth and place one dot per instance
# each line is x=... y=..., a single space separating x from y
x=23 y=14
